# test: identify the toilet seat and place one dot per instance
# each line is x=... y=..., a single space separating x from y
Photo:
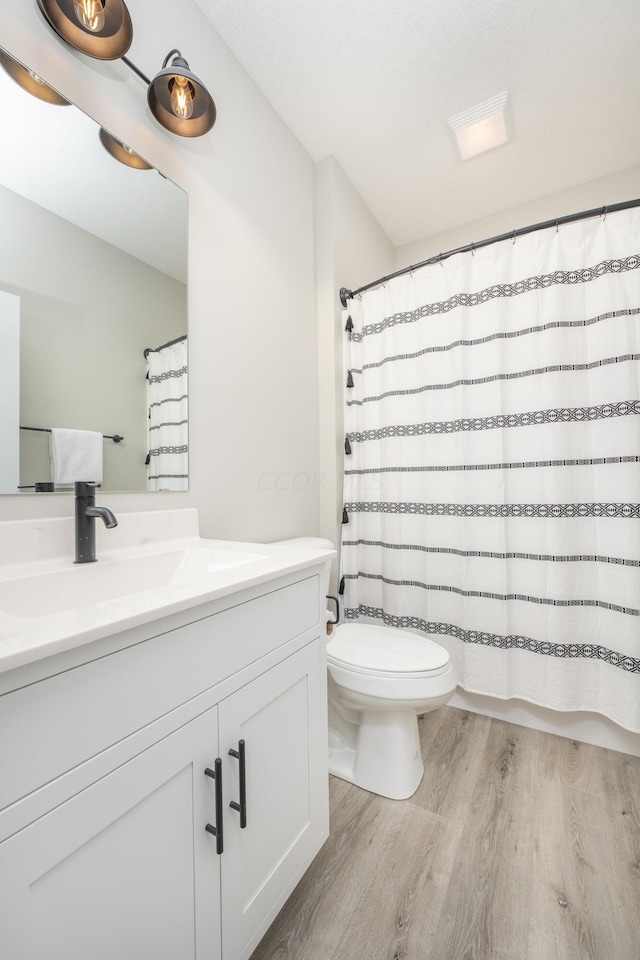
x=386 y=652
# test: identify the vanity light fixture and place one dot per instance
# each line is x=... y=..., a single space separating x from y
x=178 y=100
x=121 y=152
x=31 y=82
x=100 y=28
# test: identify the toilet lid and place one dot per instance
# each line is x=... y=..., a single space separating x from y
x=367 y=648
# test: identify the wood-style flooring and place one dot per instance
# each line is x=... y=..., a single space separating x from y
x=518 y=845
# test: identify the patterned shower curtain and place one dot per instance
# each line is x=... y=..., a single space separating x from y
x=492 y=475
x=168 y=398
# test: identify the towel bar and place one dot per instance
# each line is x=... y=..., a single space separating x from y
x=107 y=436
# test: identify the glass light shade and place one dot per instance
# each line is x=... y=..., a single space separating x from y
x=31 y=82
x=100 y=28
x=121 y=152
x=179 y=100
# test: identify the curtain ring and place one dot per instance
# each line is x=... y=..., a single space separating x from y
x=473 y=253
x=557 y=227
x=514 y=238
x=605 y=214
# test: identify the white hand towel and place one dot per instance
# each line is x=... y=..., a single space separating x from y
x=76 y=455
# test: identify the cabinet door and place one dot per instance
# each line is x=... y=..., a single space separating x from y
x=124 y=869
x=280 y=717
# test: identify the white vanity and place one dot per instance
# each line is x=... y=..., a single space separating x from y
x=125 y=723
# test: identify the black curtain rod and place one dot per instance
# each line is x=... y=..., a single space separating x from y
x=346 y=295
x=106 y=436
x=169 y=343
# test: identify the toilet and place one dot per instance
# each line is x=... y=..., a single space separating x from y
x=380 y=680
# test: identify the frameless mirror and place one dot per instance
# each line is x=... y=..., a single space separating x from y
x=93 y=264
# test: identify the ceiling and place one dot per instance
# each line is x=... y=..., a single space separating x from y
x=372 y=82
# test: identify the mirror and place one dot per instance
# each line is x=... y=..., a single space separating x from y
x=93 y=266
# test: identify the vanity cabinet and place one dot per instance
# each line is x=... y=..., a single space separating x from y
x=277 y=718
x=113 y=871
x=153 y=856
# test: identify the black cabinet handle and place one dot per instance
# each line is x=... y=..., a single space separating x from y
x=216 y=776
x=242 y=806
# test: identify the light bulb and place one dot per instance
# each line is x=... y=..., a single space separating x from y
x=182 y=93
x=90 y=14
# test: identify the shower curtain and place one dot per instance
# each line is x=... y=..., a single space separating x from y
x=492 y=475
x=168 y=398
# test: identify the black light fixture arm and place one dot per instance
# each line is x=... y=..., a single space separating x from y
x=136 y=70
x=172 y=53
x=143 y=76
x=346 y=295
x=178 y=100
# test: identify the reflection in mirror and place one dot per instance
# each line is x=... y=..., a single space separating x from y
x=92 y=274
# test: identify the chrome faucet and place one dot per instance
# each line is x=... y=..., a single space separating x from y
x=86 y=513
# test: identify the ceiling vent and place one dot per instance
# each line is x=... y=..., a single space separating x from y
x=483 y=127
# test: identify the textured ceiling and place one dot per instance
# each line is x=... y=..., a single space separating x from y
x=372 y=82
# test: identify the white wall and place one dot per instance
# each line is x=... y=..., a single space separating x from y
x=587 y=196
x=351 y=248
x=252 y=328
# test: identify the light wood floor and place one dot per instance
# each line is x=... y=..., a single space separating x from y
x=518 y=845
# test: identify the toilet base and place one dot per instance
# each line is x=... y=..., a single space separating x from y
x=380 y=753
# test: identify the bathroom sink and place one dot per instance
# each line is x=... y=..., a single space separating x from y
x=109 y=581
x=153 y=566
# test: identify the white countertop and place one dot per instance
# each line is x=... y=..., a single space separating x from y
x=50 y=605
